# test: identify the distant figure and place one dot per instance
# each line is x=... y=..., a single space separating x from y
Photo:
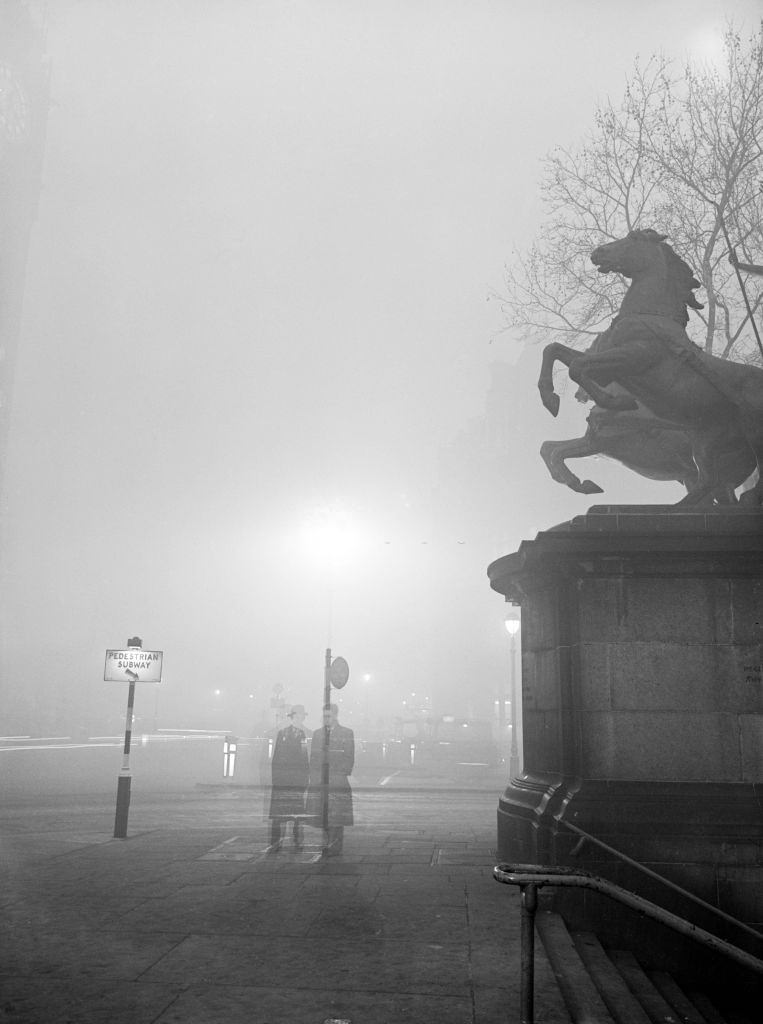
x=290 y=768
x=339 y=743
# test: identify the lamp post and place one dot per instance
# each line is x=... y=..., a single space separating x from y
x=512 y=623
x=332 y=541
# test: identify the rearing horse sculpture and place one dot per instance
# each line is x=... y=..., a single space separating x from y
x=647 y=352
x=650 y=446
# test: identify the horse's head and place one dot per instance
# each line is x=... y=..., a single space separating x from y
x=645 y=252
x=627 y=256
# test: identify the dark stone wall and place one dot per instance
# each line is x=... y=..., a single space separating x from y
x=642 y=702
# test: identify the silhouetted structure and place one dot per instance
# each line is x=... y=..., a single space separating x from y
x=647 y=352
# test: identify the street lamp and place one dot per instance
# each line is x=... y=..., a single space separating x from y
x=512 y=623
x=333 y=542
x=331 y=537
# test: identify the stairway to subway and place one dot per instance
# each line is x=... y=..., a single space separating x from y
x=614 y=986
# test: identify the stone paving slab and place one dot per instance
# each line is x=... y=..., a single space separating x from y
x=203 y=923
x=375 y=965
x=210 y=917
x=310 y=1005
x=82 y=953
x=100 y=1002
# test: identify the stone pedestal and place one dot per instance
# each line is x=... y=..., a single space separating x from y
x=642 y=633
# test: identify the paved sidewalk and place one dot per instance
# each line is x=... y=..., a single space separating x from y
x=190 y=919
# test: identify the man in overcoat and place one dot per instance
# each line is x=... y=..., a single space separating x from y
x=337 y=744
x=289 y=775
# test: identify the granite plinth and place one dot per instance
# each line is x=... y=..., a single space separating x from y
x=642 y=697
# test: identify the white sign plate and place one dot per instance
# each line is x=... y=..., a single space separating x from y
x=133 y=664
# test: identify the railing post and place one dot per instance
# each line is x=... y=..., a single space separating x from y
x=529 y=904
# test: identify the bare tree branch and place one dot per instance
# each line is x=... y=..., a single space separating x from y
x=679 y=152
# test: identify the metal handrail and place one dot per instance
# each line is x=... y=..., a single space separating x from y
x=660 y=878
x=531 y=877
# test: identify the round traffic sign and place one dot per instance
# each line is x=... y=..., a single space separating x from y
x=339 y=673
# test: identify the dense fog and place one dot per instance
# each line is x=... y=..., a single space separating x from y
x=258 y=365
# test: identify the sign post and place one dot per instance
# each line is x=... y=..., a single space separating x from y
x=135 y=665
x=335 y=673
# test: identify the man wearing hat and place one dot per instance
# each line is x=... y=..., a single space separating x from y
x=331 y=809
x=289 y=768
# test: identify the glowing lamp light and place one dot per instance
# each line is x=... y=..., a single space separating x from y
x=331 y=539
x=512 y=624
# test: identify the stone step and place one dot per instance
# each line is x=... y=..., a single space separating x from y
x=654 y=1003
x=707 y=1008
x=620 y=1001
x=688 y=1012
x=601 y=986
x=581 y=996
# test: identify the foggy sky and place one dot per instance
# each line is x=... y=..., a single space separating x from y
x=258 y=285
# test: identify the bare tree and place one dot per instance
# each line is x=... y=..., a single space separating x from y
x=681 y=153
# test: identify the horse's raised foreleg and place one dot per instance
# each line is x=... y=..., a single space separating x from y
x=554 y=453
x=586 y=369
x=551 y=353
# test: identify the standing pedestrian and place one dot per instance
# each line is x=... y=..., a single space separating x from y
x=289 y=776
x=335 y=743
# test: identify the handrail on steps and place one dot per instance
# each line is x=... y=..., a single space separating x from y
x=531 y=877
x=587 y=837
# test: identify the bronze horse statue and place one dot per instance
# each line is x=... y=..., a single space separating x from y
x=648 y=355
x=649 y=446
x=652 y=447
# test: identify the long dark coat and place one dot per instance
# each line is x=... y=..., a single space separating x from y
x=341 y=762
x=290 y=770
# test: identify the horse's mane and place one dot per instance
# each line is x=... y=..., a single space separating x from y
x=681 y=275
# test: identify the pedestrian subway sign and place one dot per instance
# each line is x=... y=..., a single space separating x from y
x=134 y=665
